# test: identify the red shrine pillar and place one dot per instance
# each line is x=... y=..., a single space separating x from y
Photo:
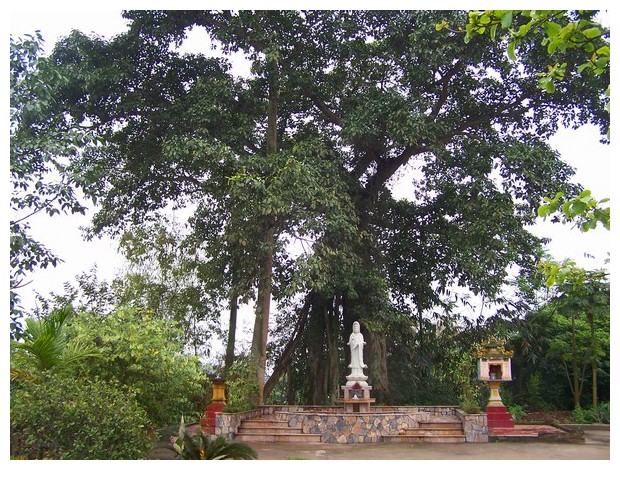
x=217 y=404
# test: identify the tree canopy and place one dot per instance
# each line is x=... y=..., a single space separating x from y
x=303 y=155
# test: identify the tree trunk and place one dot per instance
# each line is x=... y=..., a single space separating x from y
x=376 y=346
x=232 y=329
x=332 y=329
x=575 y=368
x=590 y=317
x=281 y=366
x=315 y=341
x=291 y=394
x=261 y=324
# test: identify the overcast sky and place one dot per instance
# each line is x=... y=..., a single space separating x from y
x=581 y=149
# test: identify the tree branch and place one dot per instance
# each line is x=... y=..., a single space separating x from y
x=283 y=362
x=322 y=106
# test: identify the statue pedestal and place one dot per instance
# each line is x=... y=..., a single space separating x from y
x=356 y=397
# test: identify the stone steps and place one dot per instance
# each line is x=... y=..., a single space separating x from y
x=412 y=438
x=441 y=429
x=269 y=429
x=434 y=431
x=258 y=424
x=287 y=437
x=441 y=426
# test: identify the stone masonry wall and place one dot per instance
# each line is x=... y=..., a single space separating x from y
x=227 y=424
x=352 y=427
x=334 y=426
x=475 y=427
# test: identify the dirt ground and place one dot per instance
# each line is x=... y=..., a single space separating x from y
x=595 y=447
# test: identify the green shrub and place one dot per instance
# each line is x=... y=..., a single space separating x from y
x=601 y=414
x=55 y=417
x=579 y=415
x=143 y=353
x=517 y=412
x=470 y=405
x=241 y=386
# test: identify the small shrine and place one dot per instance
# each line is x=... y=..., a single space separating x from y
x=356 y=392
x=217 y=404
x=493 y=369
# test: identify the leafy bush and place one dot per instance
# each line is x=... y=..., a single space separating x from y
x=601 y=414
x=55 y=417
x=242 y=385
x=535 y=395
x=470 y=405
x=44 y=345
x=579 y=415
x=144 y=353
x=517 y=412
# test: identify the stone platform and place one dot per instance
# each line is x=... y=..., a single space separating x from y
x=530 y=432
x=381 y=423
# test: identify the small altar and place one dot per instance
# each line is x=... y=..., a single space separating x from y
x=356 y=398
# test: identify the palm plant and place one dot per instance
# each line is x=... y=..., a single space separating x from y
x=200 y=447
x=46 y=346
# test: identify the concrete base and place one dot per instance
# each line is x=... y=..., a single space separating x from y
x=498 y=417
x=207 y=423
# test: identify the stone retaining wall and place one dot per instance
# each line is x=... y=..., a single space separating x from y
x=352 y=427
x=227 y=424
x=475 y=426
x=334 y=426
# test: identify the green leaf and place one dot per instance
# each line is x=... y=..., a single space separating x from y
x=493 y=31
x=585 y=194
x=543 y=210
x=484 y=19
x=511 y=51
x=524 y=29
x=577 y=208
x=604 y=50
x=553 y=46
x=441 y=25
x=547 y=84
x=507 y=19
x=592 y=32
x=552 y=29
x=583 y=66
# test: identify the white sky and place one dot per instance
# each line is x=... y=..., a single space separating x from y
x=581 y=149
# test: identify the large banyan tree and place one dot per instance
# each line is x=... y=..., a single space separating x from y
x=292 y=168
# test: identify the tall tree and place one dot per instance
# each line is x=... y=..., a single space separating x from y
x=192 y=124
x=360 y=96
x=581 y=293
